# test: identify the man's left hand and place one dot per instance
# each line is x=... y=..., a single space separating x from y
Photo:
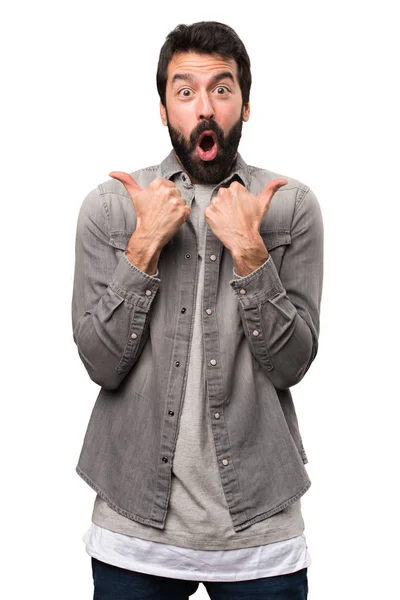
x=234 y=215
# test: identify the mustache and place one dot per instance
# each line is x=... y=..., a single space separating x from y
x=206 y=125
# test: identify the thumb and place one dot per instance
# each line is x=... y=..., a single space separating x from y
x=130 y=184
x=270 y=189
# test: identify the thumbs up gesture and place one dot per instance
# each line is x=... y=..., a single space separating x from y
x=235 y=216
x=160 y=211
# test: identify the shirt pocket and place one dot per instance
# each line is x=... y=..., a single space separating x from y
x=119 y=241
x=276 y=242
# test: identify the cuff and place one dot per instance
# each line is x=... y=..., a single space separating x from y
x=258 y=286
x=134 y=285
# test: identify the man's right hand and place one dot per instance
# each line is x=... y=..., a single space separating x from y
x=160 y=211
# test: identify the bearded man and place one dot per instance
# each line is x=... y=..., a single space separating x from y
x=196 y=307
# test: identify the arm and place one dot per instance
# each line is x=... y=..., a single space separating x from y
x=280 y=312
x=111 y=300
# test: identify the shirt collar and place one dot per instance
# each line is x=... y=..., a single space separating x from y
x=170 y=166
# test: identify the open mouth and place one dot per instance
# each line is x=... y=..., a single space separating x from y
x=207 y=145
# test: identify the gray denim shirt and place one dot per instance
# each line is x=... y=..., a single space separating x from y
x=133 y=332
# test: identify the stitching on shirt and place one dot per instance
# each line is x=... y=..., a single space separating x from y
x=105 y=208
x=280 y=507
x=153 y=168
x=114 y=506
x=263 y=535
x=227 y=433
x=300 y=198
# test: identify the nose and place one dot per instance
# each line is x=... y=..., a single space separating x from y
x=205 y=109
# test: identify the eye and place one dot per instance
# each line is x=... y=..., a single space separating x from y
x=222 y=90
x=185 y=92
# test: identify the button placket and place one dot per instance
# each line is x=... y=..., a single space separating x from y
x=212 y=350
x=186 y=247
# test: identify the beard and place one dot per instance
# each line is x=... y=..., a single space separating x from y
x=212 y=171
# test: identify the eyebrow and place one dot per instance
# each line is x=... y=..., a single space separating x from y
x=188 y=77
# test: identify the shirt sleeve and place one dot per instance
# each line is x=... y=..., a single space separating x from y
x=280 y=312
x=111 y=299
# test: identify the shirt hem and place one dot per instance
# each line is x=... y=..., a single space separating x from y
x=193 y=542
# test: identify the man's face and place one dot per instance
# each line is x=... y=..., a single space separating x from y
x=204 y=114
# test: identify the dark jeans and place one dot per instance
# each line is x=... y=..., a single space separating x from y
x=114 y=583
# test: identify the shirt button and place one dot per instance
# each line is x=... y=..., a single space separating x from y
x=225 y=462
x=177 y=363
x=165 y=459
x=208 y=311
x=256 y=333
x=242 y=291
x=171 y=412
x=217 y=415
x=148 y=292
x=213 y=257
x=183 y=310
x=213 y=362
x=134 y=336
x=187 y=255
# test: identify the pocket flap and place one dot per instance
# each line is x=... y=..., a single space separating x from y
x=274 y=238
x=119 y=239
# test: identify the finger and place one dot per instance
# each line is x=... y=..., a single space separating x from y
x=128 y=181
x=160 y=182
x=270 y=189
x=175 y=192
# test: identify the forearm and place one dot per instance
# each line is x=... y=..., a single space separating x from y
x=143 y=253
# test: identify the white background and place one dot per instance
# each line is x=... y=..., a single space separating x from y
x=79 y=100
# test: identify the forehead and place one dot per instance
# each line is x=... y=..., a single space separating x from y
x=200 y=65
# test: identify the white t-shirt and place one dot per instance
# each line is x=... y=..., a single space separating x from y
x=165 y=560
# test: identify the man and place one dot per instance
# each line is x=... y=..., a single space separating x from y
x=196 y=307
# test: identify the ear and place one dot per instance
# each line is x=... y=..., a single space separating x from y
x=163 y=114
x=246 y=112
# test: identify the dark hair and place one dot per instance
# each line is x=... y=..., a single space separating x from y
x=205 y=37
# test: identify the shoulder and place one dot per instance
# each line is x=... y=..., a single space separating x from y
x=109 y=204
x=142 y=177
x=285 y=202
x=259 y=178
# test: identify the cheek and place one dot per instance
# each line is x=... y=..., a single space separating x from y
x=182 y=121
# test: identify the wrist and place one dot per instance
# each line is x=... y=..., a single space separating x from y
x=143 y=254
x=248 y=259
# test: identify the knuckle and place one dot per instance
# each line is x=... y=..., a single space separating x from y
x=160 y=182
x=167 y=183
x=156 y=183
